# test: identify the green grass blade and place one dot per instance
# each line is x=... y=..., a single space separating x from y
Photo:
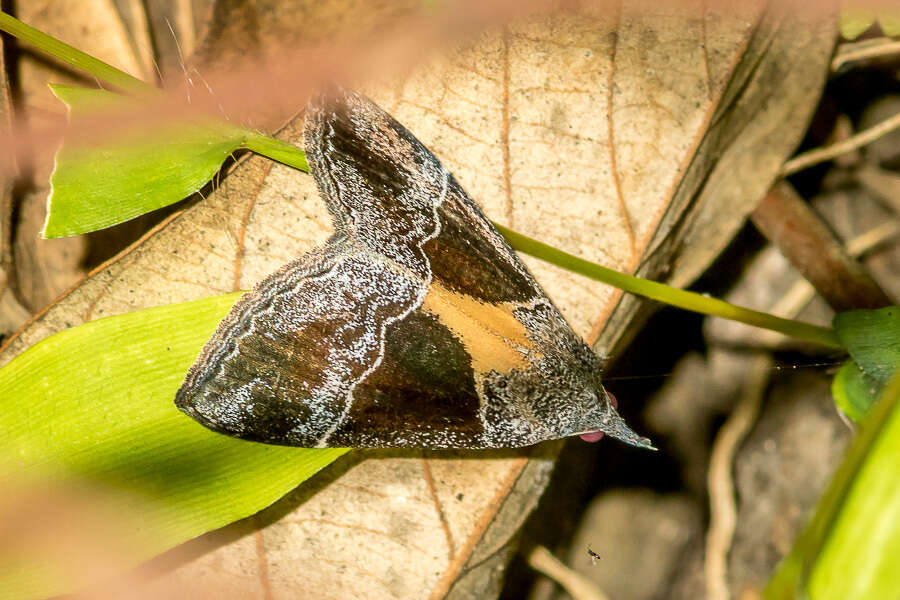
x=849 y=549
x=277 y=150
x=860 y=558
x=73 y=56
x=91 y=411
x=670 y=295
x=873 y=339
x=99 y=185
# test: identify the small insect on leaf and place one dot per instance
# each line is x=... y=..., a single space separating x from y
x=416 y=325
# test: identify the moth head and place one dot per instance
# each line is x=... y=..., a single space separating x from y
x=610 y=423
x=529 y=406
x=587 y=408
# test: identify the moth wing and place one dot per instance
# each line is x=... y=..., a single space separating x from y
x=334 y=349
x=388 y=335
x=389 y=192
x=422 y=394
x=386 y=189
x=282 y=365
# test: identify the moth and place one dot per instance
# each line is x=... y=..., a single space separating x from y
x=415 y=325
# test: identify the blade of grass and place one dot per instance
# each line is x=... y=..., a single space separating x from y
x=669 y=295
x=850 y=546
x=135 y=171
x=146 y=167
x=73 y=56
x=91 y=410
x=277 y=150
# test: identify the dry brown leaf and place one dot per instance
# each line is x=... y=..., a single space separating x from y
x=133 y=15
x=173 y=24
x=12 y=314
x=632 y=139
x=764 y=101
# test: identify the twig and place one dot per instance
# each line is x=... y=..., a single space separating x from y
x=814 y=157
x=856 y=51
x=789 y=222
x=723 y=510
x=540 y=559
x=873 y=237
x=884 y=184
x=802 y=292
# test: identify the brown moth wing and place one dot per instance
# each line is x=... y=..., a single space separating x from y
x=422 y=394
x=389 y=192
x=416 y=325
x=282 y=365
x=469 y=256
x=380 y=184
x=533 y=377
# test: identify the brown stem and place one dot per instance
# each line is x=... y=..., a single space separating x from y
x=789 y=223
